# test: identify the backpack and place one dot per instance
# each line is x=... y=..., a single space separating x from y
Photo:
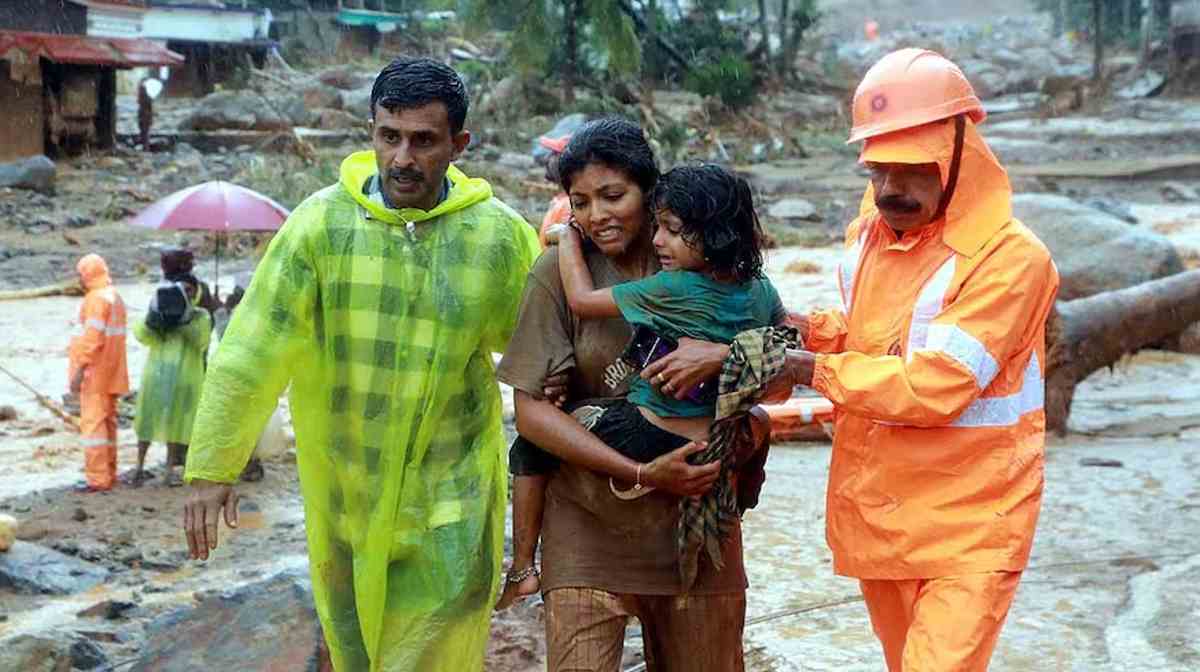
x=169 y=308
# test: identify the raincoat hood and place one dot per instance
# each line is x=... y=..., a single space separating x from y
x=464 y=191
x=94 y=272
x=982 y=199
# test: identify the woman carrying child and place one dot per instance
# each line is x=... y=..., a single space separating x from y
x=607 y=555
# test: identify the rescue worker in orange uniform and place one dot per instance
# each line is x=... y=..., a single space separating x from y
x=560 y=206
x=935 y=365
x=98 y=372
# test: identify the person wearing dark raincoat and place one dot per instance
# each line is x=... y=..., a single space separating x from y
x=381 y=301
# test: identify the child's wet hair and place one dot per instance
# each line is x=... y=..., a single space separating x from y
x=716 y=209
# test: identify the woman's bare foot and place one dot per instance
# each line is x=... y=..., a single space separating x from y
x=518 y=584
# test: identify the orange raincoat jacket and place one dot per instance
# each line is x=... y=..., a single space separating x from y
x=935 y=367
x=100 y=341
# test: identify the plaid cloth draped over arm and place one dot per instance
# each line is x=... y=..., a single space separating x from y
x=755 y=357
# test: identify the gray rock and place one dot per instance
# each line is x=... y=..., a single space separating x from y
x=36 y=172
x=501 y=96
x=322 y=96
x=30 y=568
x=799 y=108
x=330 y=119
x=794 y=208
x=78 y=221
x=1114 y=207
x=517 y=161
x=35 y=653
x=1178 y=192
x=237 y=110
x=358 y=101
x=1149 y=83
x=269 y=625
x=85 y=655
x=295 y=110
x=346 y=78
x=1094 y=251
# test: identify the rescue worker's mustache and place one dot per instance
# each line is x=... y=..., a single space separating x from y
x=405 y=175
x=897 y=203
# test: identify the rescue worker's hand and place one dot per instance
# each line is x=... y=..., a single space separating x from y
x=800 y=322
x=201 y=512
x=692 y=363
x=672 y=473
x=554 y=389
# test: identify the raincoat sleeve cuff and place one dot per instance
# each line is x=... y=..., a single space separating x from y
x=826 y=331
x=822 y=380
x=213 y=476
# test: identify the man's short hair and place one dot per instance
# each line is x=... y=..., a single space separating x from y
x=408 y=82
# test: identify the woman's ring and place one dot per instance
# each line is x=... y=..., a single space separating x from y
x=659 y=378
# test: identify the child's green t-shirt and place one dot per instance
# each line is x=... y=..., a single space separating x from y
x=679 y=304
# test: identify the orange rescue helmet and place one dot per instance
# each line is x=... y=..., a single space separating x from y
x=910 y=88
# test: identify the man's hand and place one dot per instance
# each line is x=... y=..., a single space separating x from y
x=692 y=363
x=800 y=322
x=554 y=389
x=201 y=512
x=672 y=473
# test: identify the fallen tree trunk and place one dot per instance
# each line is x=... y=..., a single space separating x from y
x=64 y=288
x=1094 y=332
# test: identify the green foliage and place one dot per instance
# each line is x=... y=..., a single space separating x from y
x=729 y=77
x=539 y=29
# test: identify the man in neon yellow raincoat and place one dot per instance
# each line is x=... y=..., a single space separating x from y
x=381 y=301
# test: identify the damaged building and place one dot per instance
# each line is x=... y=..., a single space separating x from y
x=59 y=91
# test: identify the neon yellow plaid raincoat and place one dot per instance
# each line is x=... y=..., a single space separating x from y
x=385 y=331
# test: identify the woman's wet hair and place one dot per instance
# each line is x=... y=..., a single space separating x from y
x=716 y=209
x=615 y=142
x=408 y=83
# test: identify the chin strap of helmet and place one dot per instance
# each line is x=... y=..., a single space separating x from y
x=955 y=161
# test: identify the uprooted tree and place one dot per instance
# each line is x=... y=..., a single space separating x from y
x=1090 y=333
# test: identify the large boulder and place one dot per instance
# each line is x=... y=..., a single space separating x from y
x=35 y=653
x=358 y=102
x=30 y=568
x=237 y=110
x=318 y=96
x=268 y=625
x=331 y=119
x=346 y=78
x=36 y=172
x=1094 y=251
x=794 y=209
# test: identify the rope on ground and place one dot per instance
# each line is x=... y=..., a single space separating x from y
x=45 y=401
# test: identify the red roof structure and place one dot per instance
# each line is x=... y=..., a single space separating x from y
x=85 y=50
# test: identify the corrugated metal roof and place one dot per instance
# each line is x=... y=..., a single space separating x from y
x=84 y=50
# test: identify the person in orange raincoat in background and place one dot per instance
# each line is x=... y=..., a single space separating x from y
x=935 y=365
x=98 y=372
x=560 y=205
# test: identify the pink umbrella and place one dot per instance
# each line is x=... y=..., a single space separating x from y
x=213 y=206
